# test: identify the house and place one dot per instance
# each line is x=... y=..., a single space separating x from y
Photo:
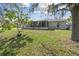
x=47 y=24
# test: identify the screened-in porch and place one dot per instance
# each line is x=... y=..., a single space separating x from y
x=39 y=24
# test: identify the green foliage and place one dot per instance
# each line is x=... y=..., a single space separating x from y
x=15 y=17
x=6 y=25
x=10 y=14
x=10 y=44
x=69 y=20
x=29 y=21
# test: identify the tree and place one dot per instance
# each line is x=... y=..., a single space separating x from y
x=12 y=12
x=21 y=17
x=11 y=16
x=69 y=20
x=7 y=12
x=2 y=16
x=73 y=8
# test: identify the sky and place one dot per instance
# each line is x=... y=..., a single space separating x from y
x=37 y=15
x=40 y=14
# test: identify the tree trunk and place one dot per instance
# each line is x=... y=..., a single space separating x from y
x=18 y=31
x=75 y=24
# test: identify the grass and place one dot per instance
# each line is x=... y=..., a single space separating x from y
x=38 y=43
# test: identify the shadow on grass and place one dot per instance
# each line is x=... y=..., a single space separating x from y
x=8 y=47
x=59 y=51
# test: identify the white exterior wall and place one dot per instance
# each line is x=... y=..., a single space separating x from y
x=53 y=25
x=62 y=25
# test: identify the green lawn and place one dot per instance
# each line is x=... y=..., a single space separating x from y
x=38 y=42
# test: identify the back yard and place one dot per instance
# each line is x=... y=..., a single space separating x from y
x=38 y=42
